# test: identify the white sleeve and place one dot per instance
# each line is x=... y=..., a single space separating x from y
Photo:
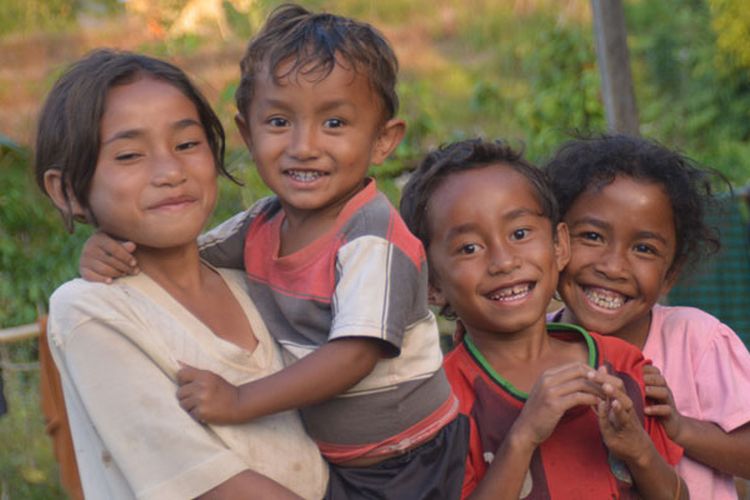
x=161 y=451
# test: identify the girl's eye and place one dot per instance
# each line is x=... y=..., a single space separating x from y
x=278 y=122
x=334 y=123
x=127 y=156
x=643 y=248
x=519 y=234
x=187 y=145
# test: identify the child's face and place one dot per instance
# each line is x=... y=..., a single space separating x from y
x=622 y=246
x=155 y=178
x=313 y=140
x=492 y=254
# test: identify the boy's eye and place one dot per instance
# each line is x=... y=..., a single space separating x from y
x=334 y=123
x=469 y=249
x=519 y=234
x=278 y=122
x=591 y=236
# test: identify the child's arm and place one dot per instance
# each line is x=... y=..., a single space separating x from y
x=319 y=376
x=626 y=438
x=702 y=441
x=104 y=258
x=557 y=390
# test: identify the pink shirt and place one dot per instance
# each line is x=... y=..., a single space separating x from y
x=707 y=368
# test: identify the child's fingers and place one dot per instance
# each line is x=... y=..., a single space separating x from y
x=657 y=392
x=664 y=411
x=187 y=373
x=90 y=275
x=108 y=270
x=653 y=377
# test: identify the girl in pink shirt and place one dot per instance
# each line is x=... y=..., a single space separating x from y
x=635 y=211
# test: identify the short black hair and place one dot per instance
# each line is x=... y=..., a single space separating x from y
x=316 y=43
x=68 y=133
x=593 y=162
x=459 y=157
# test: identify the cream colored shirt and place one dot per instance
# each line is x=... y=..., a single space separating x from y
x=117 y=348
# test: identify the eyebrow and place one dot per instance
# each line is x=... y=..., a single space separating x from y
x=521 y=212
x=512 y=215
x=327 y=106
x=137 y=132
x=640 y=235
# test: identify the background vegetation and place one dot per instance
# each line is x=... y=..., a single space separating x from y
x=524 y=70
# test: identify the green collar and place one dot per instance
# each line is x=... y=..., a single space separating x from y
x=551 y=327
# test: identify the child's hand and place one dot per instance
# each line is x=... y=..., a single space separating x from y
x=556 y=391
x=658 y=390
x=104 y=258
x=207 y=397
x=621 y=429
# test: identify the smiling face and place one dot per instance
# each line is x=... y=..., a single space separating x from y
x=492 y=254
x=155 y=177
x=622 y=247
x=313 y=139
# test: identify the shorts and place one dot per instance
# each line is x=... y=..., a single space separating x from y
x=433 y=470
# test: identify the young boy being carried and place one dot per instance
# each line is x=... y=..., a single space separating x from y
x=555 y=411
x=338 y=278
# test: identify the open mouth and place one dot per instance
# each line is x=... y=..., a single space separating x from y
x=305 y=175
x=511 y=293
x=606 y=299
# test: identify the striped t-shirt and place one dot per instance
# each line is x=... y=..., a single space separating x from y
x=366 y=277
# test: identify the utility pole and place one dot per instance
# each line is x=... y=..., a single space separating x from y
x=614 y=66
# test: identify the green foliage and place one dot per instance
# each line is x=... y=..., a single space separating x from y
x=36 y=254
x=25 y=16
x=687 y=97
x=27 y=466
x=731 y=23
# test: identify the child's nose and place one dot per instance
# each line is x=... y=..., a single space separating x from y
x=502 y=260
x=168 y=170
x=612 y=263
x=304 y=144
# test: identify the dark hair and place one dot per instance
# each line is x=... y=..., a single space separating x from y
x=315 y=43
x=460 y=157
x=594 y=162
x=68 y=135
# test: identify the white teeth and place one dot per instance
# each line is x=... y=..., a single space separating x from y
x=304 y=175
x=605 y=299
x=510 y=293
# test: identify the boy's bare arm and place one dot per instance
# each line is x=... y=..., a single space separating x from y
x=323 y=374
x=628 y=440
x=703 y=441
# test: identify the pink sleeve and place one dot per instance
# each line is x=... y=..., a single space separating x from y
x=723 y=379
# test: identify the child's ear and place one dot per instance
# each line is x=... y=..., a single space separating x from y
x=244 y=130
x=435 y=296
x=562 y=246
x=390 y=136
x=68 y=205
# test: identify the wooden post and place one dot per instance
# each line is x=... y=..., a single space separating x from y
x=614 y=66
